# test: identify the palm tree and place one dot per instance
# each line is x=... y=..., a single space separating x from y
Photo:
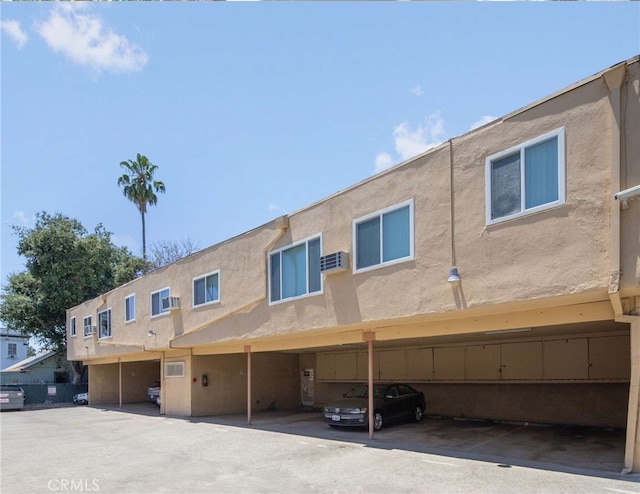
x=140 y=188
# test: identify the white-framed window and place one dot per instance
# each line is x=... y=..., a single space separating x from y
x=130 y=308
x=174 y=369
x=384 y=237
x=87 y=324
x=526 y=178
x=72 y=326
x=294 y=271
x=104 y=324
x=156 y=301
x=12 y=350
x=206 y=289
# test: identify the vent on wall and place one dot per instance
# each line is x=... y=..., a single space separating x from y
x=174 y=369
x=337 y=261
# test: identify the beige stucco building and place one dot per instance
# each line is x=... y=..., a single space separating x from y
x=543 y=324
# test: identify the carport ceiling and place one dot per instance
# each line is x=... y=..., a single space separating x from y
x=535 y=333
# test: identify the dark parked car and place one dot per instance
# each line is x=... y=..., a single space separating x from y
x=11 y=397
x=391 y=402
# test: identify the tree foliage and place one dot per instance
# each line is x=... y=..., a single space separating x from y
x=164 y=252
x=65 y=265
x=139 y=186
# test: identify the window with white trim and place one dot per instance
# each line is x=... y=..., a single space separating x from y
x=526 y=178
x=156 y=301
x=294 y=271
x=104 y=324
x=174 y=369
x=12 y=350
x=87 y=323
x=384 y=237
x=72 y=326
x=206 y=289
x=130 y=308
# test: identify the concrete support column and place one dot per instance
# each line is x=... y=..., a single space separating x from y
x=120 y=381
x=632 y=446
x=247 y=350
x=369 y=337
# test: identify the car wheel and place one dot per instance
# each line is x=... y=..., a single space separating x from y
x=417 y=414
x=377 y=421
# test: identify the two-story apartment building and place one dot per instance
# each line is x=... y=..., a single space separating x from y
x=498 y=272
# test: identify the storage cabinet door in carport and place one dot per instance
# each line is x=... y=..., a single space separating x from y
x=482 y=362
x=609 y=357
x=566 y=359
x=522 y=360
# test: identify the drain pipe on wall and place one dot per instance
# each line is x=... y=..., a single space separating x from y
x=614 y=79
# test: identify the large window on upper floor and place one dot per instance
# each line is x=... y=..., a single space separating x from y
x=104 y=324
x=156 y=301
x=294 y=271
x=384 y=237
x=526 y=178
x=206 y=289
x=130 y=308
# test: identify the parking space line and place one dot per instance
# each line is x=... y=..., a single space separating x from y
x=492 y=439
x=321 y=446
x=220 y=430
x=441 y=463
x=620 y=490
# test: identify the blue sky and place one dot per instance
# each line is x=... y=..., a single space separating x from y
x=252 y=110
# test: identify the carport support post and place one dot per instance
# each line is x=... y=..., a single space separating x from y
x=247 y=350
x=369 y=337
x=632 y=447
x=120 y=381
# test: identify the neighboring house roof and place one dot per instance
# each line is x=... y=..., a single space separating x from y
x=25 y=364
x=13 y=333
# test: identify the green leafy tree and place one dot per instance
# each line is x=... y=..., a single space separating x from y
x=65 y=265
x=139 y=186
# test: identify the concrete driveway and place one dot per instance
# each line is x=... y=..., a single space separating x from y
x=135 y=450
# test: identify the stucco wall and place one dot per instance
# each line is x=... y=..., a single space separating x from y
x=552 y=256
x=103 y=384
x=275 y=383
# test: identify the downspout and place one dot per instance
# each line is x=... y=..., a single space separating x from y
x=614 y=79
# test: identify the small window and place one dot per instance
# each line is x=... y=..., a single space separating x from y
x=294 y=271
x=104 y=324
x=385 y=237
x=526 y=178
x=156 y=302
x=206 y=289
x=87 y=323
x=72 y=326
x=174 y=369
x=12 y=350
x=130 y=308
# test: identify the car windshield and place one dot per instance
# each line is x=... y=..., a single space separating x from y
x=362 y=391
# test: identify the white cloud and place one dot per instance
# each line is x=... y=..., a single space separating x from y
x=383 y=161
x=410 y=142
x=274 y=208
x=483 y=120
x=23 y=218
x=83 y=38
x=416 y=90
x=12 y=29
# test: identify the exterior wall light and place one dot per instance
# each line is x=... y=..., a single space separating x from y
x=151 y=333
x=454 y=277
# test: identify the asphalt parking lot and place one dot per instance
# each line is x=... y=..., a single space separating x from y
x=135 y=450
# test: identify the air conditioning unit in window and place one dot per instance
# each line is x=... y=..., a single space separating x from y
x=90 y=330
x=171 y=303
x=337 y=261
